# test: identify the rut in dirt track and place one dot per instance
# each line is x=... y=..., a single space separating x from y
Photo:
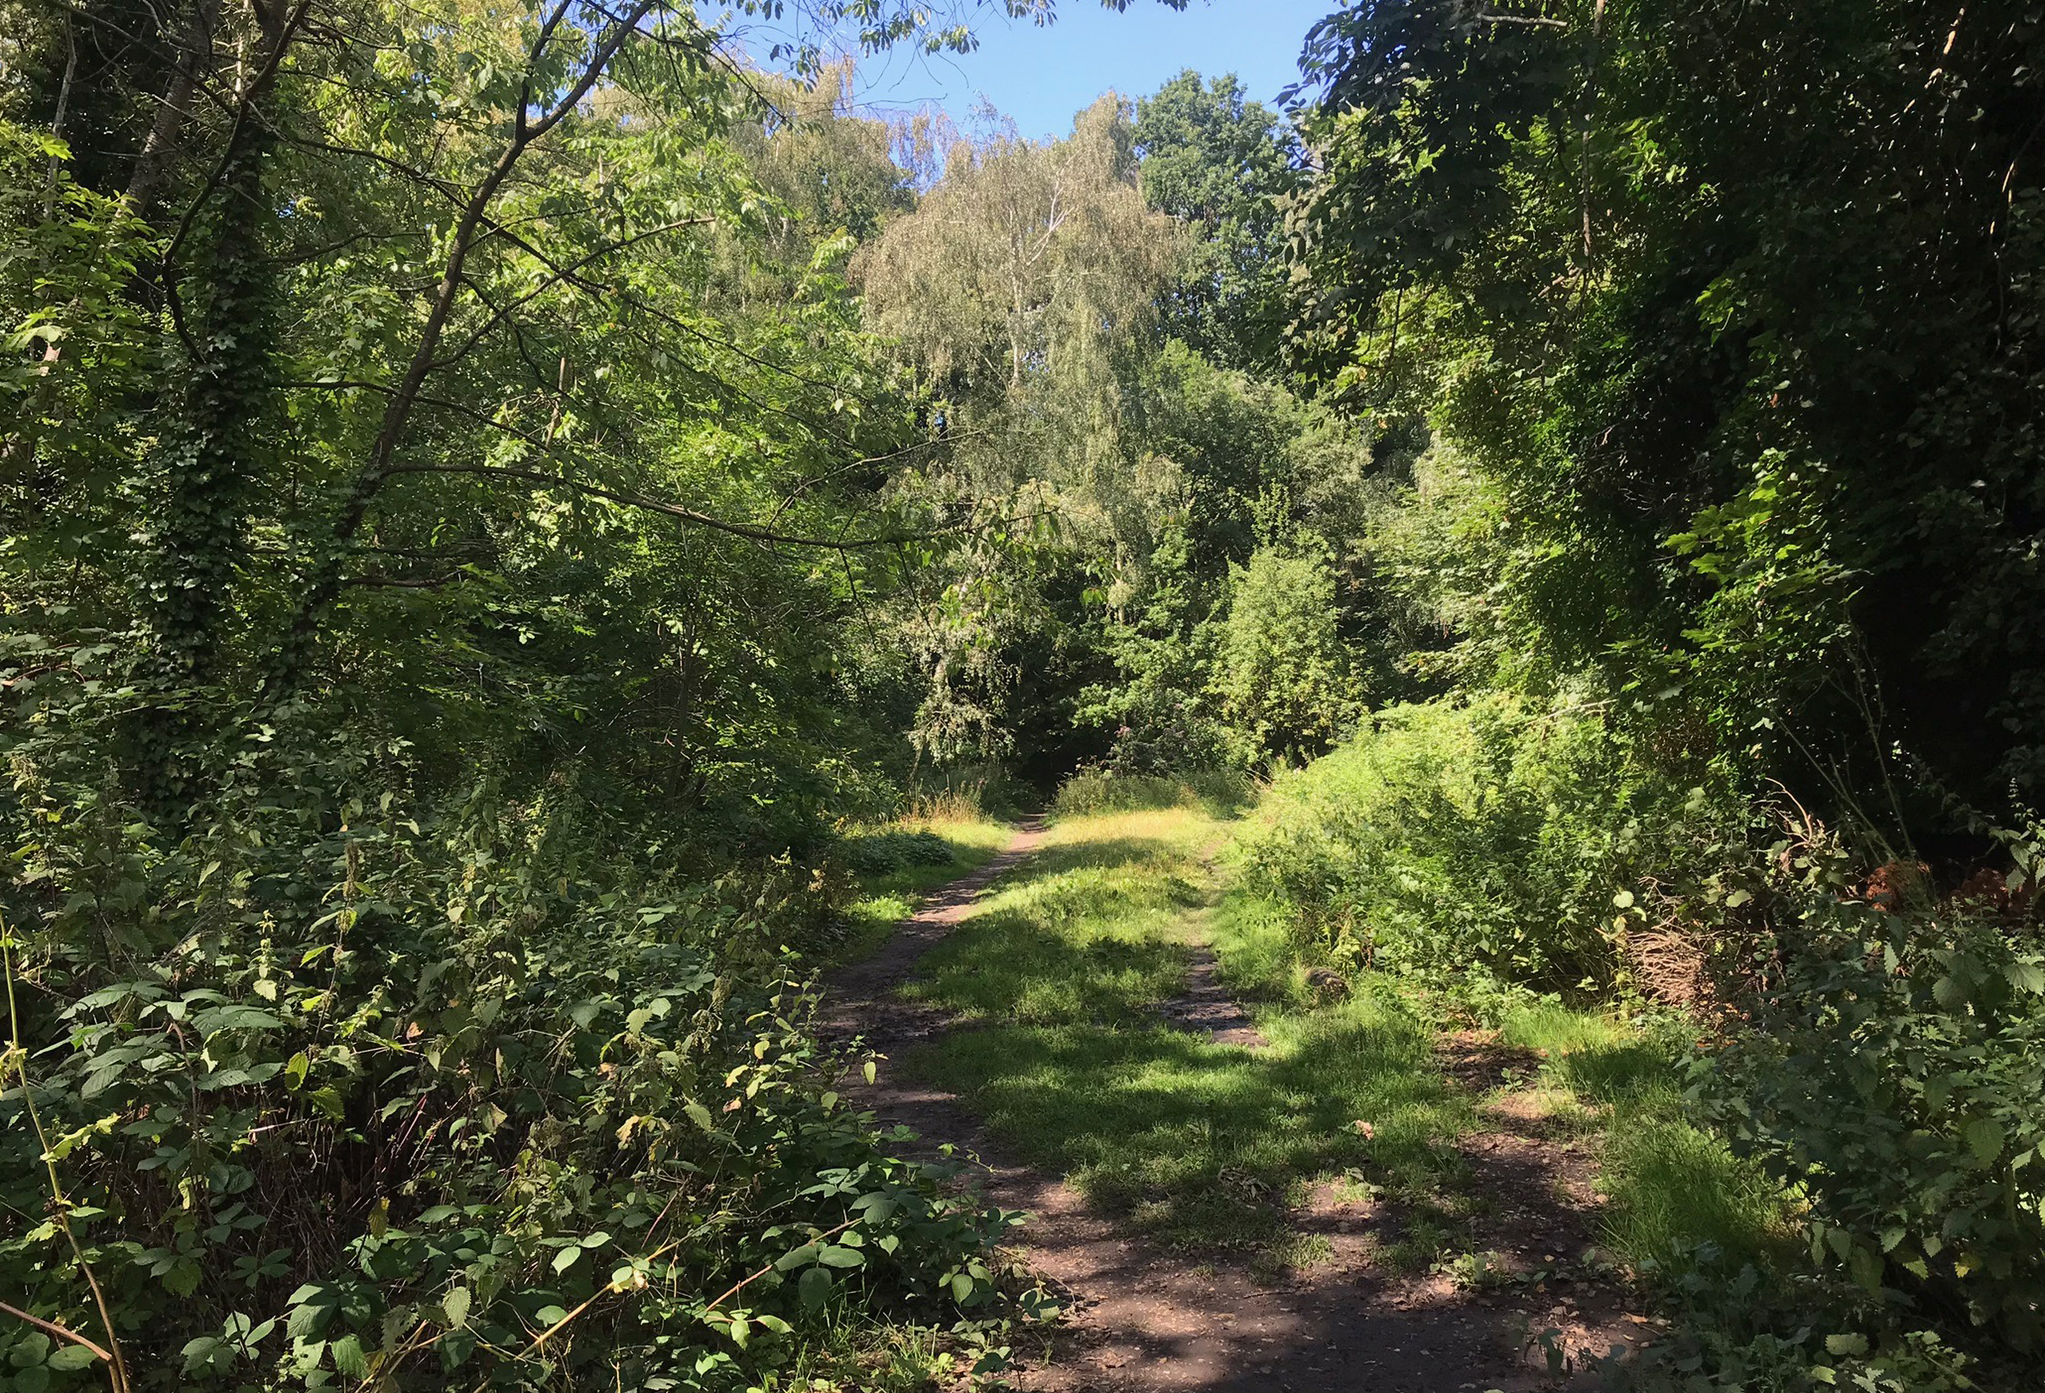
x=1140 y=1319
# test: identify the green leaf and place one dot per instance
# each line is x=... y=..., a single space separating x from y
x=1984 y=1139
x=796 y=1257
x=70 y=1358
x=566 y=1259
x=242 y=1018
x=33 y=1379
x=814 y=1286
x=1846 y=1344
x=199 y=1354
x=2026 y=977
x=308 y=1320
x=834 y=1256
x=348 y=1356
x=455 y=1306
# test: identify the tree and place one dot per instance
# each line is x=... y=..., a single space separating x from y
x=1728 y=300
x=1225 y=168
x=1020 y=293
x=1286 y=682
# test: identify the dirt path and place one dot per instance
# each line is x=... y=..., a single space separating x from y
x=1140 y=1319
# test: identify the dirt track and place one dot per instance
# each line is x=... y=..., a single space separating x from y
x=1140 y=1319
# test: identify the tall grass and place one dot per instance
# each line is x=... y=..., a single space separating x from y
x=1093 y=791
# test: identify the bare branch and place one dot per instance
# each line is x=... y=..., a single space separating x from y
x=1541 y=20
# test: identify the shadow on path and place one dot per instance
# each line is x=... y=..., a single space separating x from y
x=1141 y=1317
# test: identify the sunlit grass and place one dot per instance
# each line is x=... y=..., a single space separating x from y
x=1200 y=1145
x=1670 y=1187
x=1613 y=1080
x=1058 y=980
x=885 y=900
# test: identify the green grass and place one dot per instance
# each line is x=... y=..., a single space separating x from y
x=1199 y=1145
x=1057 y=982
x=885 y=900
x=1670 y=1186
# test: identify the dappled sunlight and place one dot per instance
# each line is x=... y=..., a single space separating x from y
x=1199 y=1143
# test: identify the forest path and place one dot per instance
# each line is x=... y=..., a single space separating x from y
x=1216 y=1208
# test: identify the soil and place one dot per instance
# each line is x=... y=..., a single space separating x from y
x=1139 y=1319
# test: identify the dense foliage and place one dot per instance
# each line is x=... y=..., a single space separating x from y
x=1715 y=319
x=488 y=495
x=443 y=500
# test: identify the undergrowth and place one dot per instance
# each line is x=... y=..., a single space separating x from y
x=418 y=1102
x=1823 y=1156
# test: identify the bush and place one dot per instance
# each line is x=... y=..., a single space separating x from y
x=1103 y=791
x=359 y=1097
x=878 y=853
x=1468 y=834
x=1891 y=1065
x=1287 y=682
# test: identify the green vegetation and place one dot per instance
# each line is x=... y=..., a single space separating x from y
x=897 y=863
x=529 y=532
x=1203 y=1145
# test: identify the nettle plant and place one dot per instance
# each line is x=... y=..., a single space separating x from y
x=1891 y=1067
x=395 y=1103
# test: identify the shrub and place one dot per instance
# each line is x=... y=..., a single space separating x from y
x=1103 y=791
x=878 y=853
x=1892 y=1065
x=359 y=1097
x=1468 y=834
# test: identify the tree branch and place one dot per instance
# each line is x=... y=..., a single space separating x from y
x=631 y=499
x=1542 y=20
x=558 y=276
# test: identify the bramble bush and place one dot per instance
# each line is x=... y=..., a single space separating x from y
x=1890 y=1064
x=1882 y=1062
x=332 y=1096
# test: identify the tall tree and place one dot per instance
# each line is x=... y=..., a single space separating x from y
x=1226 y=168
x=1022 y=291
x=1730 y=299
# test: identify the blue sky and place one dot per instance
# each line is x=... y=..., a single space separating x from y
x=1042 y=76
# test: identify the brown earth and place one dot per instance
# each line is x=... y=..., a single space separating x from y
x=1138 y=1319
